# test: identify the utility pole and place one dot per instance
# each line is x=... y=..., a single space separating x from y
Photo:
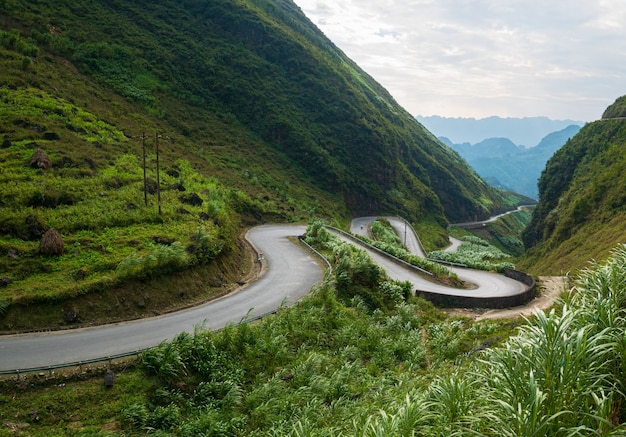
x=405 y=233
x=156 y=138
x=145 y=180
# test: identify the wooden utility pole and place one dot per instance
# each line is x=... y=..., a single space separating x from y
x=145 y=179
x=157 y=136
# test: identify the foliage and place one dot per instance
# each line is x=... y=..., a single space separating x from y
x=268 y=69
x=561 y=374
x=476 y=253
x=320 y=368
x=160 y=259
x=356 y=274
x=580 y=213
x=383 y=231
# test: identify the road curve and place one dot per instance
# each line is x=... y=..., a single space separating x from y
x=486 y=284
x=290 y=273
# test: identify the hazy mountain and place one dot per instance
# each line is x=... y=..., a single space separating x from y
x=581 y=213
x=526 y=131
x=508 y=166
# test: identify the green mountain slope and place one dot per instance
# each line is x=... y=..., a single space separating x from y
x=266 y=66
x=581 y=213
x=260 y=118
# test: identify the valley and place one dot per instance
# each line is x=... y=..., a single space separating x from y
x=140 y=142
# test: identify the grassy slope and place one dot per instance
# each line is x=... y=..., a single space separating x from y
x=264 y=64
x=581 y=215
x=261 y=116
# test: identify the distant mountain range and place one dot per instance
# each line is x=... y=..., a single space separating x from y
x=527 y=131
x=506 y=165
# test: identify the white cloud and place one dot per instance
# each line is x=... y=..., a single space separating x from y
x=485 y=57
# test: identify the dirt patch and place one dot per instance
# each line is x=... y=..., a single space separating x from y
x=549 y=289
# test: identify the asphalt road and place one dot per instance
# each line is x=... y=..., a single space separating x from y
x=290 y=272
x=485 y=284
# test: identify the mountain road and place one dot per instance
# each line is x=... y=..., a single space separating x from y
x=288 y=273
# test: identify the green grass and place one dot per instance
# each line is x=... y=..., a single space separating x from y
x=476 y=253
x=323 y=368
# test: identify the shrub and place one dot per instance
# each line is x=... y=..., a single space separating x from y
x=159 y=260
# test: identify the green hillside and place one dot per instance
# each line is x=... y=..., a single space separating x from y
x=265 y=68
x=258 y=118
x=581 y=215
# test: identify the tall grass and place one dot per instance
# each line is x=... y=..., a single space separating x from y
x=562 y=375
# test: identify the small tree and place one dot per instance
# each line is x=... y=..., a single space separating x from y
x=51 y=243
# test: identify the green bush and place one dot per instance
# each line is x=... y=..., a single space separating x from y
x=161 y=259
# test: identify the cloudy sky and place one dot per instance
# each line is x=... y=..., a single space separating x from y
x=564 y=59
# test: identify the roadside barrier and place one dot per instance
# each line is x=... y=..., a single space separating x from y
x=459 y=301
x=376 y=249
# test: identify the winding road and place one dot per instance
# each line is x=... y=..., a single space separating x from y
x=289 y=273
x=486 y=284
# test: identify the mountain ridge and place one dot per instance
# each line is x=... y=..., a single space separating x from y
x=526 y=131
x=581 y=214
x=509 y=166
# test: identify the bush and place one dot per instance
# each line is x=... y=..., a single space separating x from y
x=160 y=260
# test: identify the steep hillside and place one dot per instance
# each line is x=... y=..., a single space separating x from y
x=508 y=166
x=258 y=117
x=581 y=213
x=263 y=64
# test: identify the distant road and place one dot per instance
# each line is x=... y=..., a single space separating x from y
x=291 y=272
x=491 y=219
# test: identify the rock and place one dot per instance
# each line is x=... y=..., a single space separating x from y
x=81 y=274
x=71 y=315
x=51 y=243
x=191 y=199
x=109 y=378
x=40 y=159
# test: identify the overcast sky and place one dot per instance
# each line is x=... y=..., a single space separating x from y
x=564 y=59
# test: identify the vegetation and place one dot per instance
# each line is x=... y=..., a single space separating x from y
x=580 y=214
x=475 y=253
x=388 y=241
x=258 y=118
x=356 y=274
x=256 y=115
x=505 y=233
x=321 y=368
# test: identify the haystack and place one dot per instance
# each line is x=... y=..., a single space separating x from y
x=51 y=243
x=40 y=159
